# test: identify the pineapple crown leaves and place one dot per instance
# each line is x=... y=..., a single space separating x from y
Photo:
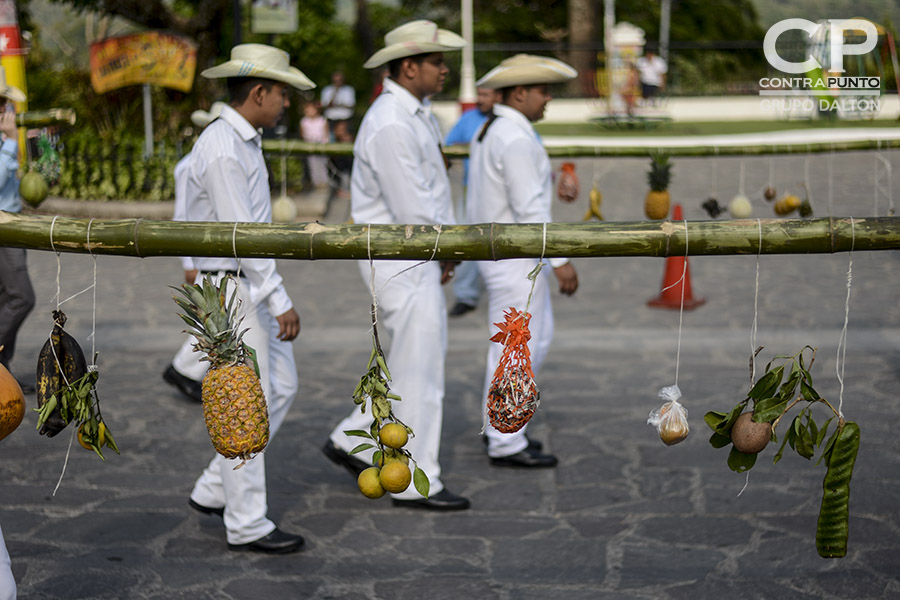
x=659 y=174
x=212 y=321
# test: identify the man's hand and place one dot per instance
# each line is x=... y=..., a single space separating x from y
x=447 y=270
x=190 y=276
x=568 y=279
x=288 y=325
x=8 y=122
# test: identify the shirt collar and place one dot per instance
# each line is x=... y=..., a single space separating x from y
x=241 y=125
x=508 y=112
x=409 y=102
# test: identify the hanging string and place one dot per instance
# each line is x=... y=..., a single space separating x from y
x=681 y=308
x=58 y=264
x=806 y=186
x=371 y=270
x=234 y=250
x=841 y=359
x=741 y=179
x=94 y=286
x=439 y=229
x=830 y=186
x=753 y=328
x=533 y=275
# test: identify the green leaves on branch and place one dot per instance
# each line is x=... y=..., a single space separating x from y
x=773 y=397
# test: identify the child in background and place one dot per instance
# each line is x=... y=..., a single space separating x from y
x=314 y=129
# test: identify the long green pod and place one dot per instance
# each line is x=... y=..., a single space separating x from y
x=834 y=515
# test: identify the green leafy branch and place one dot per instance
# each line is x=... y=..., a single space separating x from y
x=773 y=398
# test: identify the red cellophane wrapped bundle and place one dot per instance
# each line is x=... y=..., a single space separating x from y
x=513 y=396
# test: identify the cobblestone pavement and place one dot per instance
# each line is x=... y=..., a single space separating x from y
x=622 y=516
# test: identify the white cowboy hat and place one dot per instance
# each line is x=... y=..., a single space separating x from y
x=526 y=69
x=201 y=118
x=415 y=37
x=259 y=60
x=9 y=91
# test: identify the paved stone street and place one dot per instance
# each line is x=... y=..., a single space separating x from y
x=622 y=516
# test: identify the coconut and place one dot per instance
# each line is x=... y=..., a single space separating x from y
x=748 y=436
x=33 y=188
x=284 y=210
x=740 y=207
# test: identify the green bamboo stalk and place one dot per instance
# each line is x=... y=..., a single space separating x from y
x=43 y=118
x=488 y=241
x=575 y=151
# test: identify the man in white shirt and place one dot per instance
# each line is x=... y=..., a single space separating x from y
x=510 y=181
x=399 y=176
x=338 y=100
x=652 y=69
x=227 y=180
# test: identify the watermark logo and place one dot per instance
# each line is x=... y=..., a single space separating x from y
x=823 y=86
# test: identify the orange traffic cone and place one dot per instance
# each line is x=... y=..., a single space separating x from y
x=670 y=295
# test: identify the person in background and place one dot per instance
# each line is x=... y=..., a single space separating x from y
x=510 y=181
x=16 y=293
x=467 y=283
x=652 y=75
x=186 y=372
x=314 y=129
x=338 y=100
x=399 y=176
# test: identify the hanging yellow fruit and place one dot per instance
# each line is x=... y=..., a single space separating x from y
x=594 y=209
x=786 y=205
x=12 y=403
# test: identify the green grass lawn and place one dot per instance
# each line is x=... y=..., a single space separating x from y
x=703 y=128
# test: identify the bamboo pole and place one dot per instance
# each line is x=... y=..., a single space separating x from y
x=574 y=151
x=488 y=241
x=43 y=118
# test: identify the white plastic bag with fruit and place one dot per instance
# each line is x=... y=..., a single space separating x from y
x=670 y=419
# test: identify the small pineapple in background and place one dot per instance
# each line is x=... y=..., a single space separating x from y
x=234 y=406
x=656 y=204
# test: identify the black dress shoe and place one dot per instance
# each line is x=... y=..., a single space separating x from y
x=277 y=542
x=187 y=386
x=443 y=500
x=461 y=308
x=533 y=444
x=206 y=510
x=528 y=458
x=339 y=457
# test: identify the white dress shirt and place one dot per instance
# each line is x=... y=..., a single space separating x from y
x=344 y=101
x=180 y=212
x=227 y=180
x=399 y=175
x=510 y=177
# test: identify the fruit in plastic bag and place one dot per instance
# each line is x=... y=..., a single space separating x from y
x=670 y=419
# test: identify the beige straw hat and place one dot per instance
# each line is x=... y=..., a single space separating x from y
x=9 y=91
x=413 y=38
x=527 y=69
x=201 y=118
x=259 y=60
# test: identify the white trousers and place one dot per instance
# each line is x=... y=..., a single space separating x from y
x=188 y=363
x=507 y=285
x=7 y=581
x=414 y=315
x=243 y=492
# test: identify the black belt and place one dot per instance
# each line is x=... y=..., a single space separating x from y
x=232 y=273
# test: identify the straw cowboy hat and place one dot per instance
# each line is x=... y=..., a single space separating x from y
x=201 y=118
x=526 y=69
x=413 y=38
x=259 y=60
x=9 y=91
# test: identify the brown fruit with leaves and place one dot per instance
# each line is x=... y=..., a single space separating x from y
x=749 y=436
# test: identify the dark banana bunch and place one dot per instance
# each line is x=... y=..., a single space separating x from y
x=61 y=363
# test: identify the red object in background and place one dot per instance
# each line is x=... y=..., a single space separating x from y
x=670 y=294
x=567 y=186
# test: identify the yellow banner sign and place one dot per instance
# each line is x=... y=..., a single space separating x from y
x=151 y=57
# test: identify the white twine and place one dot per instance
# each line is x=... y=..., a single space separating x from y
x=681 y=308
x=741 y=179
x=746 y=483
x=753 y=328
x=830 y=186
x=94 y=286
x=537 y=270
x=65 y=462
x=806 y=186
x=234 y=251
x=841 y=359
x=439 y=228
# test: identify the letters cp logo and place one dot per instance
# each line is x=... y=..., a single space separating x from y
x=836 y=39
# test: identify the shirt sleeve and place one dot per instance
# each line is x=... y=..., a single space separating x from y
x=457 y=135
x=226 y=183
x=9 y=160
x=401 y=170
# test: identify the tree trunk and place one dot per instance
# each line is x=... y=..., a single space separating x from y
x=487 y=241
x=582 y=35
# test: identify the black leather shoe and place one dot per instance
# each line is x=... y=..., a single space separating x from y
x=528 y=458
x=277 y=542
x=533 y=444
x=206 y=510
x=461 y=308
x=187 y=386
x=342 y=459
x=443 y=500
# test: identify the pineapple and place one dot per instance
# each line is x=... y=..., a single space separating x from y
x=656 y=205
x=234 y=406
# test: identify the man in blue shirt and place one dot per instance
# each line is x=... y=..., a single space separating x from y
x=16 y=293
x=466 y=285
